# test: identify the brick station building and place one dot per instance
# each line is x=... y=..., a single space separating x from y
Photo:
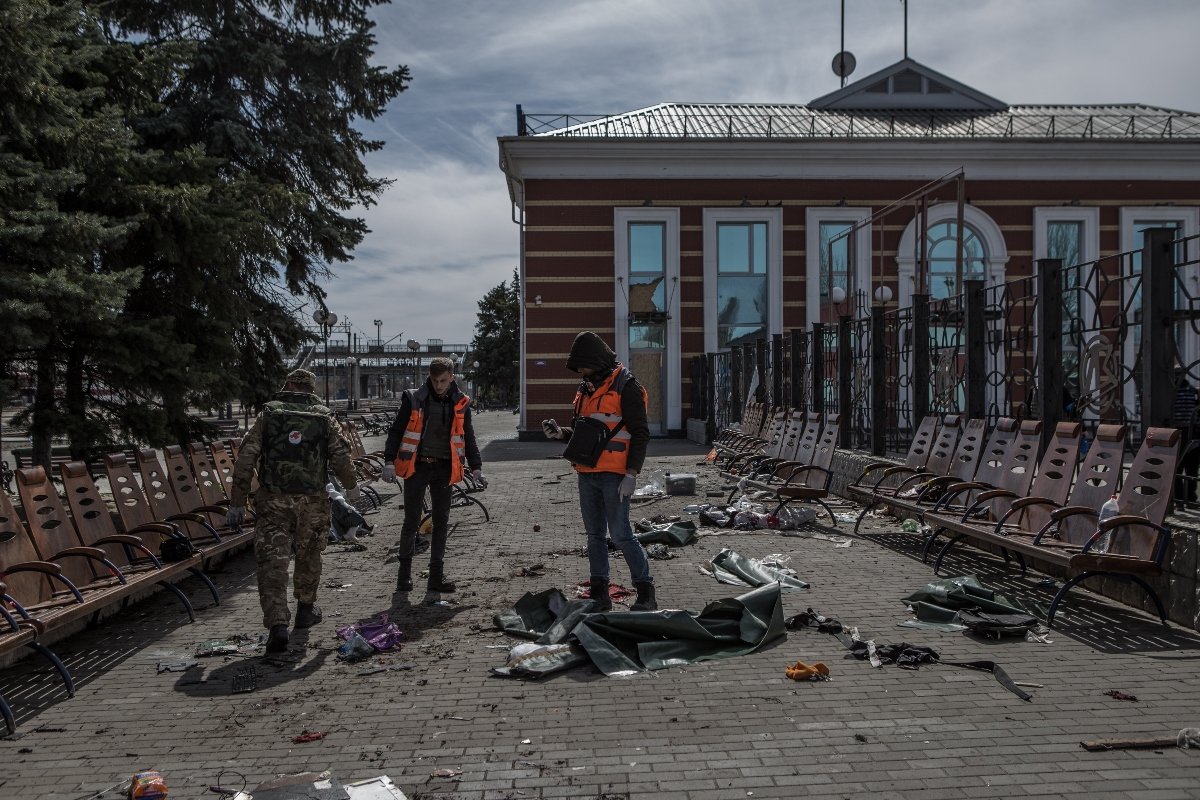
x=679 y=229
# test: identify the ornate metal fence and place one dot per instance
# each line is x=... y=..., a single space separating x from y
x=988 y=351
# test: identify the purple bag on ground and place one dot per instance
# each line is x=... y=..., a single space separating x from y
x=380 y=631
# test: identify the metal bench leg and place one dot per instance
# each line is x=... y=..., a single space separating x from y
x=828 y=511
x=928 y=546
x=1162 y=613
x=862 y=515
x=187 y=604
x=10 y=721
x=937 y=565
x=212 y=587
x=57 y=663
x=1061 y=593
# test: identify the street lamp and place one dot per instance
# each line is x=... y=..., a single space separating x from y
x=414 y=346
x=351 y=384
x=326 y=319
x=379 y=333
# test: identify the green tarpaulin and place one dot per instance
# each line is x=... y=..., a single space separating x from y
x=620 y=643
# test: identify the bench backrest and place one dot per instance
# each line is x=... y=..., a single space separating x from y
x=781 y=423
x=182 y=482
x=49 y=526
x=941 y=453
x=132 y=506
x=994 y=458
x=157 y=485
x=922 y=442
x=806 y=448
x=16 y=547
x=208 y=479
x=93 y=521
x=1095 y=482
x=969 y=451
x=222 y=464
x=827 y=442
x=795 y=430
x=1146 y=492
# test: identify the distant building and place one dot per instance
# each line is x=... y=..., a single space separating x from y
x=679 y=229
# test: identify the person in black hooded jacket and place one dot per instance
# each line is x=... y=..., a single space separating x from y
x=609 y=394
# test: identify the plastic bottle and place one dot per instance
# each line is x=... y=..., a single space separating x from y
x=1107 y=511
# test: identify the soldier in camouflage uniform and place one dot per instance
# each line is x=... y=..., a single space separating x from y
x=292 y=444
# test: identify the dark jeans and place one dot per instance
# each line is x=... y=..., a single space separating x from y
x=436 y=477
x=604 y=512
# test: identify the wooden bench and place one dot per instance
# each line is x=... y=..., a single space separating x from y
x=1138 y=542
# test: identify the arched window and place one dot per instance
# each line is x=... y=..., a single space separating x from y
x=943 y=266
x=984 y=251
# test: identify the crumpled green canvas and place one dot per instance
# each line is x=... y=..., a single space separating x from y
x=729 y=566
x=936 y=605
x=620 y=643
x=676 y=534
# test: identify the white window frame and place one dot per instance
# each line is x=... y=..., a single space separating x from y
x=1089 y=252
x=773 y=217
x=984 y=225
x=1189 y=216
x=669 y=218
x=860 y=271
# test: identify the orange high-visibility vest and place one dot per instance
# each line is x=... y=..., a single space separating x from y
x=406 y=457
x=604 y=405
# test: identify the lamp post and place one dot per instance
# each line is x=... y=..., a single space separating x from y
x=351 y=384
x=475 y=378
x=414 y=346
x=378 y=333
x=326 y=319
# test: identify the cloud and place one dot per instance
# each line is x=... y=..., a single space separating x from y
x=442 y=235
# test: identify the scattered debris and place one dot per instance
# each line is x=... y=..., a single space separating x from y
x=1119 y=695
x=392 y=668
x=659 y=551
x=176 y=666
x=308 y=736
x=803 y=672
x=245 y=680
x=537 y=528
x=535 y=571
x=445 y=773
x=1128 y=744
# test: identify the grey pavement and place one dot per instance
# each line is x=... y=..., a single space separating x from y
x=735 y=728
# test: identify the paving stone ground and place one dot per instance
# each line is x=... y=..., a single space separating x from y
x=727 y=729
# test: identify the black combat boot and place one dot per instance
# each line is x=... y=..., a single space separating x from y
x=307 y=615
x=645 y=597
x=599 y=594
x=404 y=576
x=437 y=579
x=277 y=639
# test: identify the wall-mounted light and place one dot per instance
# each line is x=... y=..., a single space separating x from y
x=537 y=299
x=883 y=295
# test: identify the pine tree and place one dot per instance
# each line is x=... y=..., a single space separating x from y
x=497 y=341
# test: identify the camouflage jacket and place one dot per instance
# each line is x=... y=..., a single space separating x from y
x=292 y=445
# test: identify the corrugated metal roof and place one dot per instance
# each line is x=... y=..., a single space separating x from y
x=763 y=121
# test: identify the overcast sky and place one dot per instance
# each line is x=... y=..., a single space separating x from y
x=443 y=235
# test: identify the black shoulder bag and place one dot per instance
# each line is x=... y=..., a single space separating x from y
x=589 y=438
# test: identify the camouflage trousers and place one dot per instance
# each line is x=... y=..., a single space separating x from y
x=286 y=524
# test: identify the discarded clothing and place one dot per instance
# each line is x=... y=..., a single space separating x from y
x=676 y=534
x=732 y=568
x=811 y=619
x=379 y=631
x=903 y=654
x=963 y=603
x=803 y=672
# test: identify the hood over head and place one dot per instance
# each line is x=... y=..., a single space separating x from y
x=589 y=350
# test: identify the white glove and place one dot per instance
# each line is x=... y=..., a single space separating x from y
x=551 y=429
x=235 y=516
x=353 y=494
x=628 y=484
x=477 y=476
x=389 y=473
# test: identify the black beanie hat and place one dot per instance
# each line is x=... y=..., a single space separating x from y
x=589 y=350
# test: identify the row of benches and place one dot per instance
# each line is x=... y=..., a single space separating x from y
x=996 y=490
x=65 y=561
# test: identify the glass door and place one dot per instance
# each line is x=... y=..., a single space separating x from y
x=648 y=316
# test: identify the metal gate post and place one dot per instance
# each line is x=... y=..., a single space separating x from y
x=1049 y=346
